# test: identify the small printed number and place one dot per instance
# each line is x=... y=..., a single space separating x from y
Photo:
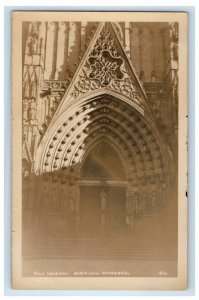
x=163 y=273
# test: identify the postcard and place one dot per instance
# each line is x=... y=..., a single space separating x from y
x=99 y=150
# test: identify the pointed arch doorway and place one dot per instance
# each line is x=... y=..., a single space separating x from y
x=107 y=145
x=102 y=191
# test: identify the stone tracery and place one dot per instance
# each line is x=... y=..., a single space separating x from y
x=105 y=67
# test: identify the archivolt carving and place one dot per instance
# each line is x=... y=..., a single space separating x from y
x=105 y=117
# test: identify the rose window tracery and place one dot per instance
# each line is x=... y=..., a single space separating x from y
x=105 y=68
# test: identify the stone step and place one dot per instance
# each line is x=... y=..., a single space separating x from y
x=97 y=249
x=97 y=257
x=93 y=256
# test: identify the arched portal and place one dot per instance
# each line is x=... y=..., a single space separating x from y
x=101 y=148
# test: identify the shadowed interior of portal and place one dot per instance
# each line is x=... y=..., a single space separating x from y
x=102 y=204
x=103 y=162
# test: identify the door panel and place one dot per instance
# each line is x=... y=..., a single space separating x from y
x=89 y=211
x=90 y=214
x=116 y=216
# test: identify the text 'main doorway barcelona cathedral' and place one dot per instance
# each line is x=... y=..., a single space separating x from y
x=100 y=147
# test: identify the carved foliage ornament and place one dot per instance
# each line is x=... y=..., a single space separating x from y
x=105 y=68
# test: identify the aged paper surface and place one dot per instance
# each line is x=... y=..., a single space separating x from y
x=99 y=128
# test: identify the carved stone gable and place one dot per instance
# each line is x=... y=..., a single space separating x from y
x=105 y=67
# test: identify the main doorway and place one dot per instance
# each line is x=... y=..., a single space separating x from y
x=102 y=217
x=102 y=191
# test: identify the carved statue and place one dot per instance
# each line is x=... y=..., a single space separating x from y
x=174 y=36
x=34 y=88
x=32 y=41
x=32 y=44
x=25 y=108
x=103 y=199
x=32 y=110
x=26 y=88
x=153 y=77
x=128 y=202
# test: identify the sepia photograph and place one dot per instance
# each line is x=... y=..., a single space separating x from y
x=99 y=150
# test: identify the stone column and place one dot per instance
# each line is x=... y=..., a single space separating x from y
x=158 y=62
x=83 y=34
x=28 y=39
x=153 y=200
x=74 y=45
x=77 y=206
x=153 y=74
x=146 y=54
x=25 y=109
x=66 y=202
x=49 y=50
x=135 y=51
x=142 y=74
x=136 y=201
x=42 y=38
x=60 y=50
x=129 y=207
x=32 y=203
x=71 y=42
x=127 y=38
x=103 y=202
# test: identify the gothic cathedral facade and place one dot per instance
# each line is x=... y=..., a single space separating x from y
x=100 y=127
